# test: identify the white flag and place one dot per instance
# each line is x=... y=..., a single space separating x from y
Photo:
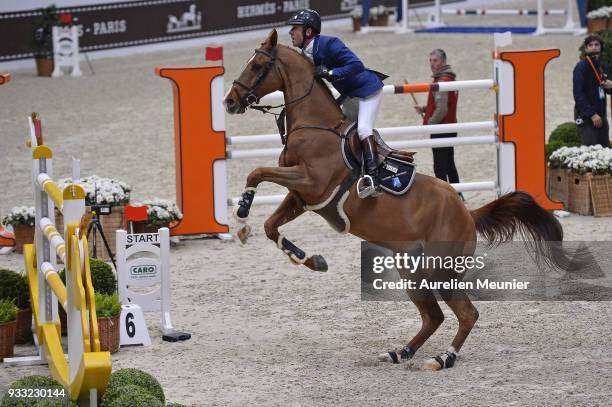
x=502 y=39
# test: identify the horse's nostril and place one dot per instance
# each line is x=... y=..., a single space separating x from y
x=230 y=102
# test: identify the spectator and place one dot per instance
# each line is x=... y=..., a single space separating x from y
x=590 y=85
x=441 y=108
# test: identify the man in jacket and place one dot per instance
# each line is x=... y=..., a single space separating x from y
x=590 y=85
x=441 y=108
x=335 y=62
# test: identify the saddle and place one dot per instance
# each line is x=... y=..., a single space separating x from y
x=396 y=172
x=396 y=168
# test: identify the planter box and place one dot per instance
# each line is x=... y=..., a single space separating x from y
x=44 y=66
x=557 y=185
x=601 y=194
x=7 y=338
x=109 y=333
x=24 y=234
x=597 y=25
x=579 y=194
x=380 y=21
x=356 y=24
x=24 y=326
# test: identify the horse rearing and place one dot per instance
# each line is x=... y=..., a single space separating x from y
x=311 y=167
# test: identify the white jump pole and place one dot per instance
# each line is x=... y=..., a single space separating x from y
x=569 y=28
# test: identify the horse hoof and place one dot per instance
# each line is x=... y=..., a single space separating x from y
x=316 y=263
x=243 y=234
x=401 y=356
x=445 y=360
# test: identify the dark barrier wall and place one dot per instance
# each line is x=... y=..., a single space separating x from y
x=125 y=24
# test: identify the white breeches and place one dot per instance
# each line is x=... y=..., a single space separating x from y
x=368 y=109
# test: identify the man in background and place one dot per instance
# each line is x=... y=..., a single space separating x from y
x=441 y=108
x=590 y=85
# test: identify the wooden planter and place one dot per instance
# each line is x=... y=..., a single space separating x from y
x=558 y=185
x=44 y=66
x=24 y=326
x=379 y=21
x=7 y=338
x=597 y=25
x=579 y=194
x=601 y=194
x=356 y=24
x=24 y=234
x=109 y=333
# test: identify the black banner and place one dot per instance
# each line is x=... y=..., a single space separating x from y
x=114 y=25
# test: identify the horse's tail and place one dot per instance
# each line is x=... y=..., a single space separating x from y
x=518 y=213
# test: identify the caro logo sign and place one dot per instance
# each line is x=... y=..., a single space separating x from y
x=143 y=271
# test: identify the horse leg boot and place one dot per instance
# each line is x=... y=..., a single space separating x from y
x=370 y=158
x=467 y=315
x=292 y=178
x=288 y=210
x=431 y=317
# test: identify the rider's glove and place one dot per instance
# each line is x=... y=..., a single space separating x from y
x=322 y=72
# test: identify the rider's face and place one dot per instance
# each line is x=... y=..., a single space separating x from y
x=297 y=35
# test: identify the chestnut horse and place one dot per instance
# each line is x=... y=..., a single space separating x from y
x=311 y=167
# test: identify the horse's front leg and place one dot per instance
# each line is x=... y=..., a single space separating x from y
x=288 y=210
x=293 y=178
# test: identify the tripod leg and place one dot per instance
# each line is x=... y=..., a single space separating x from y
x=110 y=253
x=93 y=241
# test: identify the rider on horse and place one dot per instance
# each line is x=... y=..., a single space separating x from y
x=335 y=62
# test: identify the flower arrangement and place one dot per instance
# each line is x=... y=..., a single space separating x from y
x=100 y=190
x=20 y=215
x=584 y=159
x=379 y=11
x=161 y=211
x=600 y=13
x=357 y=12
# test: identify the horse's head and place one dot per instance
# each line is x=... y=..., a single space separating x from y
x=258 y=78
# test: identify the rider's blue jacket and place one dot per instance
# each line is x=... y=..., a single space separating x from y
x=350 y=77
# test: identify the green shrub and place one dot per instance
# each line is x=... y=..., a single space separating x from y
x=139 y=398
x=112 y=393
x=107 y=305
x=8 y=310
x=102 y=277
x=36 y=382
x=137 y=377
x=565 y=135
x=15 y=286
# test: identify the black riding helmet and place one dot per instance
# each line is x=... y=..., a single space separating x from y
x=308 y=18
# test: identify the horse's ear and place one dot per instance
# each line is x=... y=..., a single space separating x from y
x=272 y=39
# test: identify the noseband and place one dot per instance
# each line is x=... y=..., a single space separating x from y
x=250 y=97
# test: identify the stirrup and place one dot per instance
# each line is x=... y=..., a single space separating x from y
x=369 y=190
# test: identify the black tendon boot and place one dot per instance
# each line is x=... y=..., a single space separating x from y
x=368 y=186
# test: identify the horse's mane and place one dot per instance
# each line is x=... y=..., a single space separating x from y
x=318 y=81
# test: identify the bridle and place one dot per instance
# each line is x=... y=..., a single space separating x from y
x=250 y=98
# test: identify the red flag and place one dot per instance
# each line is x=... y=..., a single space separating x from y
x=214 y=54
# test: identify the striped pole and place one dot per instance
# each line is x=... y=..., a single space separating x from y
x=278 y=96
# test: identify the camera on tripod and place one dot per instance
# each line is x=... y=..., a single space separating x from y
x=101 y=209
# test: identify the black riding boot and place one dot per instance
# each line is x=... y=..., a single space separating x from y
x=370 y=157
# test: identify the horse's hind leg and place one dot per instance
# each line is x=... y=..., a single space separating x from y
x=288 y=210
x=431 y=316
x=467 y=315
